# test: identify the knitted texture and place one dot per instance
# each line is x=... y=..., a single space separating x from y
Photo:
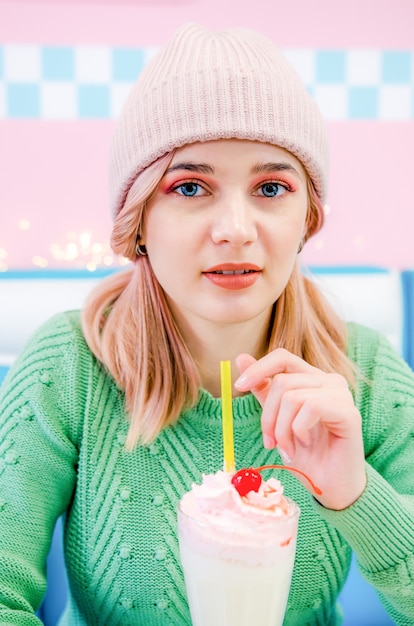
x=212 y=85
x=62 y=430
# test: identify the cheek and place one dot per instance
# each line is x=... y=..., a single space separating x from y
x=286 y=234
x=167 y=251
x=158 y=231
x=298 y=226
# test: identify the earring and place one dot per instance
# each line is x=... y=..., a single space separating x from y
x=300 y=247
x=140 y=249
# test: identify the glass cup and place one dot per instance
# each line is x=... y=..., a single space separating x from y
x=238 y=573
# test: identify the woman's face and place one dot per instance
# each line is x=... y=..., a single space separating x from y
x=223 y=229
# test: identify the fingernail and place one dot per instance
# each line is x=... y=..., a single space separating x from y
x=241 y=381
x=284 y=456
x=268 y=442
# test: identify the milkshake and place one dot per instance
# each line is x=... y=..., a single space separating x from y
x=237 y=551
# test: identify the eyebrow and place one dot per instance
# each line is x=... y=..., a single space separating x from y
x=191 y=167
x=282 y=166
x=260 y=168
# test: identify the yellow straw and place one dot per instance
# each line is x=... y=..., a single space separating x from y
x=227 y=416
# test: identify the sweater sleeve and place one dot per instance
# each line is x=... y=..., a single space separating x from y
x=40 y=418
x=379 y=526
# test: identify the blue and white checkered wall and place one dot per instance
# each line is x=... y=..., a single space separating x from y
x=92 y=82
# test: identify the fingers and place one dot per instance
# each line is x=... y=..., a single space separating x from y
x=295 y=397
x=276 y=362
x=260 y=390
x=260 y=377
x=269 y=379
x=300 y=412
x=243 y=361
x=295 y=416
x=282 y=397
x=311 y=417
x=291 y=411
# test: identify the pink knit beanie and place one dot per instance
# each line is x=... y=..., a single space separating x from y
x=212 y=85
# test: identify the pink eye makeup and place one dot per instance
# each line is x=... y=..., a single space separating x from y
x=265 y=180
x=272 y=189
x=188 y=188
x=280 y=174
x=182 y=185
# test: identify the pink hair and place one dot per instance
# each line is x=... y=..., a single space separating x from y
x=130 y=329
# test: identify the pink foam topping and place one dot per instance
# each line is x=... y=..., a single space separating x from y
x=217 y=497
x=256 y=529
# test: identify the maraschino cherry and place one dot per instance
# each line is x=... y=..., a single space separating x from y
x=246 y=480
x=249 y=479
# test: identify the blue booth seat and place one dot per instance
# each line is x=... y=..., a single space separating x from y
x=57 y=583
x=3 y=372
x=407 y=278
x=360 y=603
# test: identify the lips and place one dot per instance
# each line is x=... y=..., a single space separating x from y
x=232 y=272
x=232 y=268
x=233 y=276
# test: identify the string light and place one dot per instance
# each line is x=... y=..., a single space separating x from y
x=78 y=250
x=319 y=244
x=40 y=261
x=81 y=250
x=3 y=256
x=24 y=224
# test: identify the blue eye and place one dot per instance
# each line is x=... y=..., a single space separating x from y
x=189 y=189
x=271 y=190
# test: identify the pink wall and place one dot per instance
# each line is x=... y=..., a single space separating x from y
x=53 y=175
x=324 y=23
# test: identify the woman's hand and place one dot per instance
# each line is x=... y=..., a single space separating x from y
x=311 y=417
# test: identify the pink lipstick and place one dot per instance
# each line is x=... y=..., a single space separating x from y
x=233 y=276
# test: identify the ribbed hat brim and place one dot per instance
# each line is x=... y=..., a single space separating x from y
x=204 y=86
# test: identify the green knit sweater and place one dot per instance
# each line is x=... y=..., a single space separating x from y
x=62 y=430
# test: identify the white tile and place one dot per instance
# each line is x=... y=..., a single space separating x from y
x=304 y=62
x=363 y=67
x=118 y=95
x=332 y=100
x=93 y=64
x=58 y=100
x=22 y=63
x=150 y=52
x=395 y=102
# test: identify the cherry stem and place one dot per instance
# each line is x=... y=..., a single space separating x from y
x=291 y=469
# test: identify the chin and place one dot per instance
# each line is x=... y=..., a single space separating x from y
x=237 y=315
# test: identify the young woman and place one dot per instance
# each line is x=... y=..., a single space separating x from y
x=218 y=178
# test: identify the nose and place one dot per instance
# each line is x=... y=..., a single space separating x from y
x=234 y=222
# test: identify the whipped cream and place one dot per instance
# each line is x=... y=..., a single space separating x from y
x=224 y=519
x=217 y=495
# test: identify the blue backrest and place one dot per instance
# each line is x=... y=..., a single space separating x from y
x=360 y=603
x=57 y=583
x=3 y=372
x=407 y=278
